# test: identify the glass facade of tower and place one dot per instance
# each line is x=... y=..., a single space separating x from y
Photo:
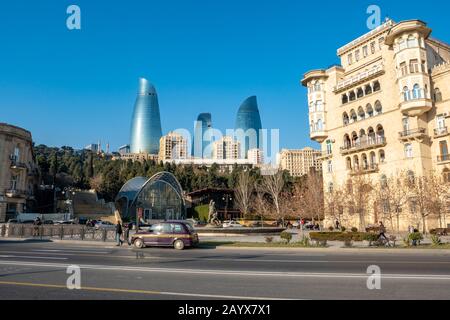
x=146 y=123
x=248 y=126
x=202 y=137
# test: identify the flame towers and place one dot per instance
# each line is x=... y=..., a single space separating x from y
x=248 y=126
x=203 y=136
x=146 y=123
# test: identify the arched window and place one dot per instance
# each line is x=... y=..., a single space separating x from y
x=360 y=93
x=311 y=127
x=362 y=134
x=446 y=175
x=412 y=41
x=355 y=138
x=319 y=105
x=401 y=44
x=317 y=86
x=383 y=181
x=411 y=178
x=365 y=163
x=361 y=113
x=416 y=91
x=311 y=107
x=378 y=107
x=371 y=135
x=380 y=131
x=381 y=156
x=353 y=116
x=319 y=125
x=348 y=161
x=344 y=99
x=369 y=110
x=345 y=119
x=368 y=89
x=356 y=163
x=330 y=187
x=437 y=95
x=376 y=86
x=352 y=96
x=406 y=95
x=408 y=150
x=347 y=141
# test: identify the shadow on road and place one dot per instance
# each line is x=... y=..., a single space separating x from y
x=26 y=241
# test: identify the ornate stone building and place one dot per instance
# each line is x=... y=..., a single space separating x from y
x=19 y=175
x=385 y=109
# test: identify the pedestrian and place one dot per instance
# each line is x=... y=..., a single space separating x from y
x=382 y=231
x=337 y=224
x=126 y=236
x=119 y=234
x=302 y=223
x=36 y=223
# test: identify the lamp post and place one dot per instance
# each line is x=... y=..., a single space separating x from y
x=227 y=198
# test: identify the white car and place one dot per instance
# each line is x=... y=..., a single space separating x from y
x=231 y=224
x=104 y=225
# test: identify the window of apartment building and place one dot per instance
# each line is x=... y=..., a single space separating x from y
x=368 y=89
x=383 y=181
x=330 y=187
x=319 y=105
x=361 y=113
x=378 y=107
x=412 y=41
x=376 y=86
x=330 y=166
x=348 y=162
x=359 y=93
x=350 y=58
x=437 y=95
x=353 y=116
x=401 y=44
x=381 y=42
x=408 y=150
x=365 y=51
x=344 y=99
x=381 y=156
x=352 y=96
x=317 y=86
x=443 y=149
x=416 y=93
x=372 y=47
x=446 y=175
x=424 y=68
x=414 y=66
x=16 y=154
x=403 y=69
x=406 y=95
x=405 y=123
x=14 y=182
x=369 y=110
x=357 y=55
x=345 y=119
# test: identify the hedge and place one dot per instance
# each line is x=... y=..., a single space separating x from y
x=341 y=236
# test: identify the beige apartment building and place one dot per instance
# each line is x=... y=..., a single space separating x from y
x=226 y=148
x=384 y=110
x=299 y=162
x=172 y=146
x=256 y=156
x=19 y=174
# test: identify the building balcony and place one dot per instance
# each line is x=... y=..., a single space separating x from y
x=440 y=132
x=365 y=144
x=416 y=107
x=360 y=78
x=443 y=158
x=413 y=134
x=318 y=136
x=15 y=165
x=15 y=193
x=368 y=169
x=325 y=155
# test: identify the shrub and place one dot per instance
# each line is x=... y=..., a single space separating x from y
x=371 y=237
x=354 y=229
x=436 y=240
x=330 y=228
x=337 y=236
x=343 y=229
x=269 y=239
x=286 y=236
x=415 y=237
x=407 y=241
x=304 y=241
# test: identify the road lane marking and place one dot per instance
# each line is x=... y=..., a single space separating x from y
x=70 y=251
x=233 y=273
x=32 y=257
x=136 y=291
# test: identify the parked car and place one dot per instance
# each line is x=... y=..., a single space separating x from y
x=27 y=222
x=64 y=222
x=13 y=221
x=104 y=225
x=167 y=234
x=48 y=222
x=231 y=224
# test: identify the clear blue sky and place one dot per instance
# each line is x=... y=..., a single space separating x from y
x=76 y=87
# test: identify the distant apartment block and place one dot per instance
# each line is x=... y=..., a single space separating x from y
x=299 y=162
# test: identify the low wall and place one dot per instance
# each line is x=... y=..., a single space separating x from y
x=72 y=232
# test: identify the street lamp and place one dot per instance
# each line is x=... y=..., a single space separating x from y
x=226 y=198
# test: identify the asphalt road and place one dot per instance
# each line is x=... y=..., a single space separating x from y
x=37 y=270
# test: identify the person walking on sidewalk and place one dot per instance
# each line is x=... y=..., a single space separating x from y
x=126 y=235
x=119 y=233
x=382 y=231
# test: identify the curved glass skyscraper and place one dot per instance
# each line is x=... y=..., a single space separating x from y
x=248 y=126
x=146 y=122
x=202 y=136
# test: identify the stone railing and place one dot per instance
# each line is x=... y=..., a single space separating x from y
x=360 y=77
x=440 y=68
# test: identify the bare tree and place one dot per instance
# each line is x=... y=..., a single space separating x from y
x=358 y=194
x=334 y=205
x=438 y=198
x=308 y=198
x=243 y=192
x=273 y=185
x=419 y=197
